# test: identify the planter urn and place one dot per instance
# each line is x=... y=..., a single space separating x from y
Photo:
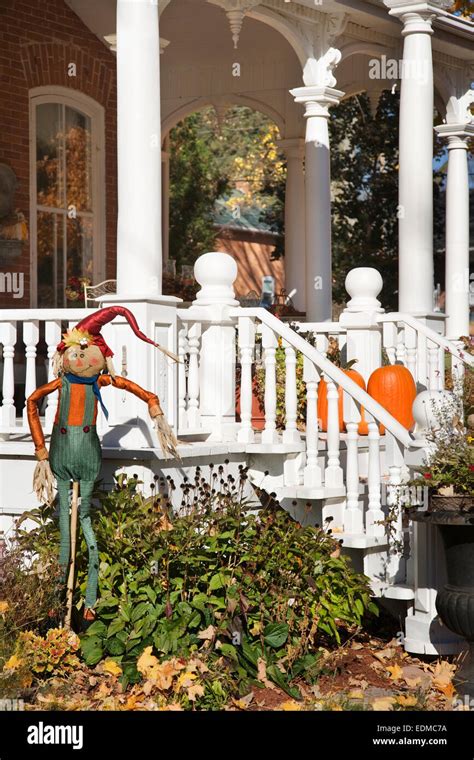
x=455 y=600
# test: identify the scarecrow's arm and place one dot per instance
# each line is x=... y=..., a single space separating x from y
x=37 y=434
x=121 y=382
x=166 y=436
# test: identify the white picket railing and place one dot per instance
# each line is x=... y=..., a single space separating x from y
x=422 y=350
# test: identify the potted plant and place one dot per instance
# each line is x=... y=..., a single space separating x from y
x=449 y=468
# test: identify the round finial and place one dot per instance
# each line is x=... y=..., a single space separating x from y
x=427 y=409
x=216 y=273
x=363 y=285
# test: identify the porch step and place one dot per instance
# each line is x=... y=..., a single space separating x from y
x=308 y=493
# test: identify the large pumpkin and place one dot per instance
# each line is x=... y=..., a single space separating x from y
x=363 y=428
x=394 y=388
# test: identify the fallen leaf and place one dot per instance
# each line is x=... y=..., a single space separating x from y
x=289 y=706
x=244 y=702
x=412 y=683
x=197 y=664
x=163 y=673
x=132 y=702
x=262 y=674
x=111 y=667
x=443 y=675
x=406 y=701
x=3 y=607
x=208 y=633
x=185 y=680
x=383 y=703
x=359 y=683
x=146 y=661
x=395 y=672
x=385 y=654
x=195 y=691
x=356 y=694
x=415 y=676
x=357 y=645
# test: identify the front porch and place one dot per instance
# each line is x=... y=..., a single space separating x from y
x=284 y=63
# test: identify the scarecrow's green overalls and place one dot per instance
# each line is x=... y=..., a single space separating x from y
x=75 y=454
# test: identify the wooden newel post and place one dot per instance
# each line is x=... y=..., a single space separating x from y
x=72 y=565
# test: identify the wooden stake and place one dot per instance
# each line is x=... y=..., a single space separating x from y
x=72 y=566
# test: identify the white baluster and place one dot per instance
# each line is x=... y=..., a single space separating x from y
x=312 y=471
x=353 y=517
x=442 y=378
x=375 y=516
x=291 y=433
x=194 y=334
x=433 y=366
x=30 y=339
x=410 y=344
x=390 y=339
x=8 y=340
x=246 y=345
x=270 y=344
x=322 y=343
x=400 y=349
x=422 y=362
x=182 y=394
x=394 y=501
x=457 y=369
x=333 y=475
x=52 y=336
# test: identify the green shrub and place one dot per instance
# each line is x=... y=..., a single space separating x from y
x=216 y=577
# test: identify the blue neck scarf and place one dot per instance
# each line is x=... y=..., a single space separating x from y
x=95 y=387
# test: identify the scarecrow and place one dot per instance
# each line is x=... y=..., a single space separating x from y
x=83 y=365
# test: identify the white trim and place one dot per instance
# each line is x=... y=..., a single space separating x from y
x=96 y=112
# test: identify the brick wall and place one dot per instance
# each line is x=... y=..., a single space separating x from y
x=37 y=42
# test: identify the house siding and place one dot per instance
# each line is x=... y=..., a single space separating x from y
x=38 y=41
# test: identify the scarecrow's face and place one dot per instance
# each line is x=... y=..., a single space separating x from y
x=84 y=362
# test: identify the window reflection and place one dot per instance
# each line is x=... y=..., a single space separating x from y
x=64 y=201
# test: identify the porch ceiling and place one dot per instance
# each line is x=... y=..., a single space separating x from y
x=453 y=35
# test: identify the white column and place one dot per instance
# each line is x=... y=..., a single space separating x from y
x=317 y=100
x=457 y=229
x=295 y=238
x=139 y=264
x=415 y=184
x=165 y=207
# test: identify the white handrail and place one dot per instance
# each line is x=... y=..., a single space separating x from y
x=336 y=374
x=435 y=337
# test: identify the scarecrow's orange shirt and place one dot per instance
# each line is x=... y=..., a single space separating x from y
x=77 y=402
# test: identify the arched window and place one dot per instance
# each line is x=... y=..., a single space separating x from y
x=67 y=193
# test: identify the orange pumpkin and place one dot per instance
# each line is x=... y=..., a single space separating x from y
x=394 y=388
x=363 y=428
